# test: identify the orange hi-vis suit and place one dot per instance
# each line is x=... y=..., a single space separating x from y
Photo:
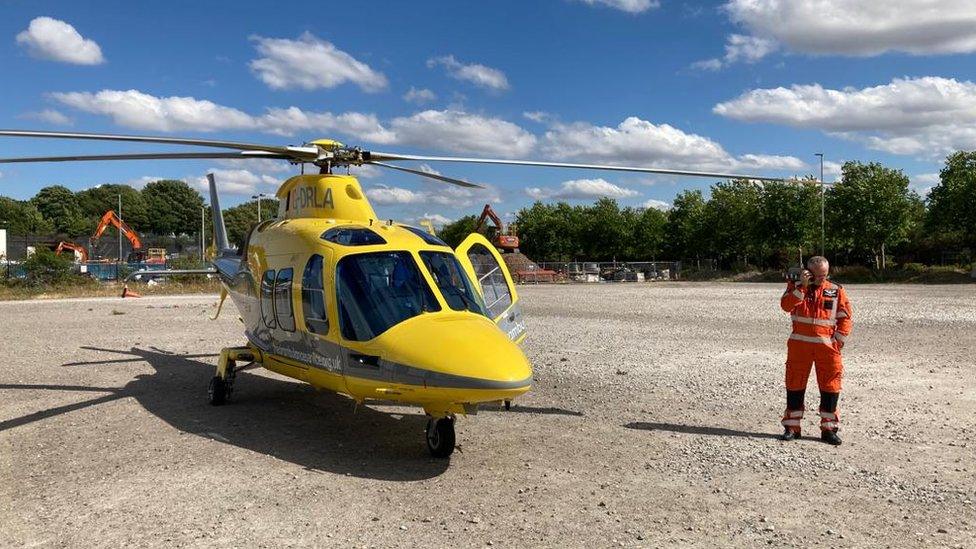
x=822 y=319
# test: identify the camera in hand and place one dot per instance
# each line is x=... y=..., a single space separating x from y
x=795 y=274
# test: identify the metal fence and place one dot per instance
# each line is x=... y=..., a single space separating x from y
x=596 y=271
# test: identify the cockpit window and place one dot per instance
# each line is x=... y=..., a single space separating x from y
x=454 y=284
x=353 y=236
x=427 y=237
x=379 y=290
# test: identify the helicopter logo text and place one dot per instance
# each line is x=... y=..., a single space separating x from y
x=309 y=197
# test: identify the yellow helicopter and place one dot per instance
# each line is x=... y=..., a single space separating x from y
x=331 y=295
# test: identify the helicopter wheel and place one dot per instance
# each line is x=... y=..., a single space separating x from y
x=440 y=437
x=508 y=405
x=218 y=391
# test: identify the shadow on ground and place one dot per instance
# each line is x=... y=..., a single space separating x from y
x=696 y=430
x=288 y=420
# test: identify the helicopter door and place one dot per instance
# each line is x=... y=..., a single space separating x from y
x=485 y=266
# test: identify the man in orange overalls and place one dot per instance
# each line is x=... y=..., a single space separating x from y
x=821 y=317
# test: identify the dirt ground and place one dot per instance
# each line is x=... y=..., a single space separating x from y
x=652 y=422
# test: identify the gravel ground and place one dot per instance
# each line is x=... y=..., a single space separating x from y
x=652 y=422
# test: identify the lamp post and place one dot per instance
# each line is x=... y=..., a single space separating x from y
x=258 y=197
x=118 y=266
x=203 y=228
x=822 y=198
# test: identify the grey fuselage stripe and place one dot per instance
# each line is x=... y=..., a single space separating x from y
x=387 y=370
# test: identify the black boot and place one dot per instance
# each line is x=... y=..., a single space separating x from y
x=789 y=434
x=830 y=437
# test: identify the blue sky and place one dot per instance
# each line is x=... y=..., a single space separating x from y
x=753 y=86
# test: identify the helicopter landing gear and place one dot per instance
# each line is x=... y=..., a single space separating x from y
x=218 y=391
x=222 y=384
x=440 y=436
x=508 y=405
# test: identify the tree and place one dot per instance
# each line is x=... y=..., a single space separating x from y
x=603 y=231
x=952 y=203
x=240 y=219
x=683 y=231
x=550 y=232
x=731 y=219
x=96 y=201
x=22 y=218
x=647 y=234
x=174 y=207
x=870 y=208
x=455 y=232
x=789 y=219
x=59 y=205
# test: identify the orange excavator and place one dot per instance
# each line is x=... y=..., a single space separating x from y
x=79 y=251
x=152 y=255
x=504 y=241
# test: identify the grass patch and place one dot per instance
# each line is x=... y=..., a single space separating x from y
x=13 y=292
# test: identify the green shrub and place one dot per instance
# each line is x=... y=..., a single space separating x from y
x=45 y=268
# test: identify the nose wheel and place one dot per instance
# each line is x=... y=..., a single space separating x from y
x=440 y=437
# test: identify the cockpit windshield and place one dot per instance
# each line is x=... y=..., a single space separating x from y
x=379 y=290
x=452 y=282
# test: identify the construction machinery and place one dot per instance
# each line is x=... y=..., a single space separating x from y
x=506 y=242
x=80 y=253
x=155 y=256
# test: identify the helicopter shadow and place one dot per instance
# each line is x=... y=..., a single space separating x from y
x=290 y=421
x=696 y=430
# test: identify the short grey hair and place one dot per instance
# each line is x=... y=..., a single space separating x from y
x=817 y=260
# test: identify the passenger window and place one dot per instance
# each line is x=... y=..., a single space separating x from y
x=313 y=297
x=282 y=300
x=267 y=293
x=494 y=287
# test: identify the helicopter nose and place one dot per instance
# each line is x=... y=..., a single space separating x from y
x=459 y=351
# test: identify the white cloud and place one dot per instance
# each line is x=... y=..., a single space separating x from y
x=656 y=204
x=923 y=182
x=239 y=182
x=738 y=47
x=310 y=63
x=434 y=193
x=861 y=27
x=449 y=130
x=925 y=178
x=49 y=116
x=832 y=170
x=292 y=120
x=436 y=219
x=541 y=117
x=638 y=142
x=53 y=39
x=419 y=96
x=366 y=171
x=580 y=189
x=479 y=75
x=708 y=64
x=926 y=117
x=134 y=109
x=629 y=6
x=259 y=165
x=458 y=131
x=394 y=195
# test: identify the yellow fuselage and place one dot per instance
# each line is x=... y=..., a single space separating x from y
x=442 y=359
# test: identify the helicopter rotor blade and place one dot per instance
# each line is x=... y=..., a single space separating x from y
x=243 y=155
x=310 y=153
x=374 y=156
x=439 y=177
